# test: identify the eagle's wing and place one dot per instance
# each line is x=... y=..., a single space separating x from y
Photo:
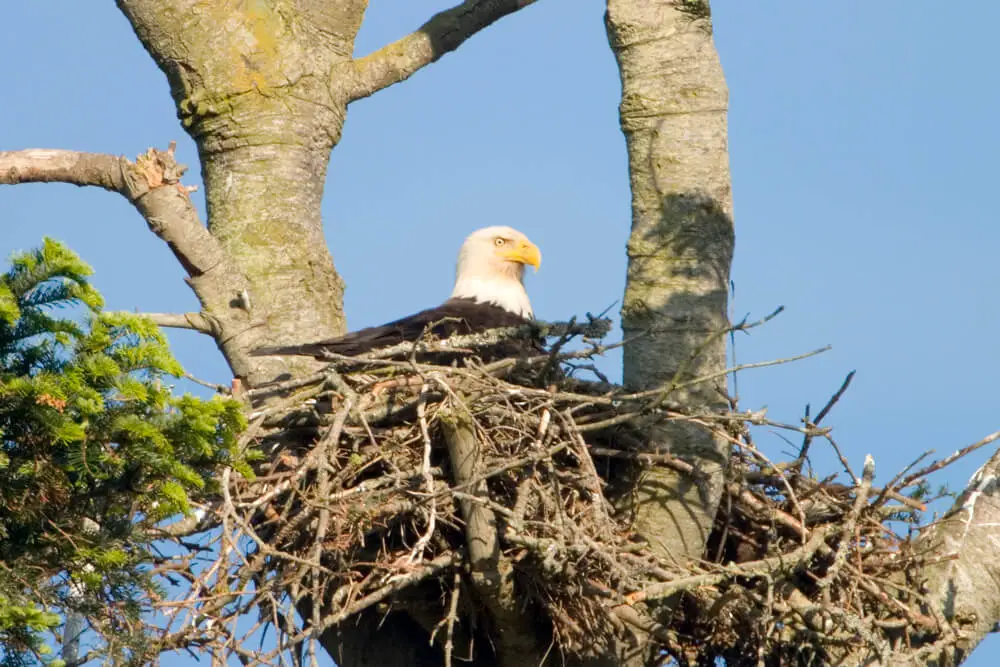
x=455 y=316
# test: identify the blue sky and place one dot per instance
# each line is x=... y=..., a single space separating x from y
x=863 y=141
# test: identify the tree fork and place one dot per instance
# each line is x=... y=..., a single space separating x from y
x=251 y=85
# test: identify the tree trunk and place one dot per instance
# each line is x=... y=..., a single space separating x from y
x=673 y=114
x=252 y=84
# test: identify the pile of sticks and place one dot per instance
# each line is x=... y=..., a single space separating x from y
x=477 y=497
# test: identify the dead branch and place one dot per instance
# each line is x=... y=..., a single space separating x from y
x=152 y=184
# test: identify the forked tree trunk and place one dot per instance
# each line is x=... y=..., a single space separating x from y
x=254 y=86
x=673 y=114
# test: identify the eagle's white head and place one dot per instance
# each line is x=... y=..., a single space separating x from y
x=491 y=268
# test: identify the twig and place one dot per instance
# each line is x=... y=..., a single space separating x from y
x=396 y=583
x=676 y=381
x=417 y=554
x=217 y=388
x=323 y=452
x=744 y=325
x=286 y=385
x=862 y=488
x=789 y=491
x=680 y=465
x=742 y=367
x=449 y=645
x=948 y=460
x=791 y=560
x=889 y=491
x=840 y=455
x=593 y=484
x=807 y=438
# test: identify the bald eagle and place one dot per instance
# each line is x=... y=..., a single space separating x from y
x=489 y=293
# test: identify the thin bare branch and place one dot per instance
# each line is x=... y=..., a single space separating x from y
x=863 y=486
x=42 y=165
x=195 y=321
x=790 y=560
x=742 y=367
x=948 y=460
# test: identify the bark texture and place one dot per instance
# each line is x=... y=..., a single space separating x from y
x=673 y=115
x=492 y=574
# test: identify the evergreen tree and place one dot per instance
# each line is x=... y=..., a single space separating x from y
x=95 y=451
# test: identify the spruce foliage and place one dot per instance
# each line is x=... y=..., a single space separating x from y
x=95 y=450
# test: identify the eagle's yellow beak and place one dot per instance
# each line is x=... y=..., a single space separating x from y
x=524 y=252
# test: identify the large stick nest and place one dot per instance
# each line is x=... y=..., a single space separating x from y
x=477 y=499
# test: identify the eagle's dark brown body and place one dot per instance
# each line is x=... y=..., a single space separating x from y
x=488 y=294
x=455 y=316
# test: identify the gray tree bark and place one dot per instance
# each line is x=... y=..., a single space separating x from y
x=673 y=114
x=966 y=588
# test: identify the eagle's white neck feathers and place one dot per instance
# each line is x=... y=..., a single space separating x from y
x=490 y=269
x=508 y=294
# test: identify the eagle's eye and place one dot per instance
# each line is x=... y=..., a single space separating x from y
x=499 y=241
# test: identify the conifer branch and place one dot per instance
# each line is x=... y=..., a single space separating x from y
x=443 y=33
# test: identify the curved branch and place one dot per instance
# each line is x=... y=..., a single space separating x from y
x=966 y=583
x=151 y=184
x=443 y=33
